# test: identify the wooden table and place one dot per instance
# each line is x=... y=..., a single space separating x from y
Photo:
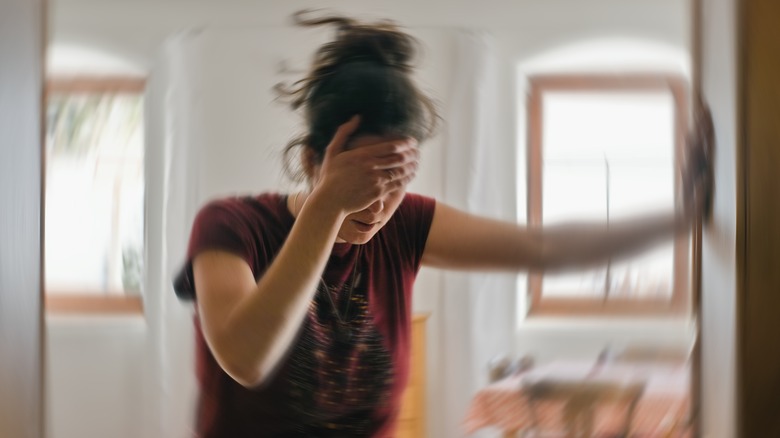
x=583 y=399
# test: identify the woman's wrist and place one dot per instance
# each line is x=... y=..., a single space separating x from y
x=320 y=205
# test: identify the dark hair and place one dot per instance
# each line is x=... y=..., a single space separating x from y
x=366 y=70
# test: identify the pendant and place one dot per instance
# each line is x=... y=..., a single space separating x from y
x=343 y=333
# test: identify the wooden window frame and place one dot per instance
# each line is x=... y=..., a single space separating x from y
x=80 y=302
x=680 y=304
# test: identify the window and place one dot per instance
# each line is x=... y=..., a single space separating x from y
x=604 y=148
x=94 y=211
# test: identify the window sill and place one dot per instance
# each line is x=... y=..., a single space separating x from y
x=614 y=309
x=94 y=305
x=67 y=327
x=557 y=323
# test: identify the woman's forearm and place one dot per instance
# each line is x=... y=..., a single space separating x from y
x=576 y=246
x=258 y=331
x=459 y=240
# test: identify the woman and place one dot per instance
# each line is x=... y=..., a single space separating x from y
x=304 y=301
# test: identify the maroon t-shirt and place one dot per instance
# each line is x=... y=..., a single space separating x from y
x=345 y=373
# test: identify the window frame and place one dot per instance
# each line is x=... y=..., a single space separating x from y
x=79 y=302
x=680 y=303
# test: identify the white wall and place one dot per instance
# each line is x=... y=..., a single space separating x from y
x=135 y=30
x=95 y=370
x=719 y=277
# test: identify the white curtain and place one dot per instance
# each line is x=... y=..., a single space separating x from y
x=477 y=311
x=172 y=200
x=212 y=131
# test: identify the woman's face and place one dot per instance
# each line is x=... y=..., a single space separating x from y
x=360 y=227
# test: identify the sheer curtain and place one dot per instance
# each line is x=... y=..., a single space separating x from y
x=477 y=311
x=213 y=130
x=172 y=201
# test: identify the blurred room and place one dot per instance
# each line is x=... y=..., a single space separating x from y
x=553 y=111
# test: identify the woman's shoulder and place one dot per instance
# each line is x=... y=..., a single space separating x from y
x=244 y=201
x=257 y=206
x=415 y=211
x=407 y=230
x=248 y=214
x=414 y=204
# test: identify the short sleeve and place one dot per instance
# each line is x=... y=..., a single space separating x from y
x=415 y=219
x=220 y=225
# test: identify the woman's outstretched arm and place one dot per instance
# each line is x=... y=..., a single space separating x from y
x=458 y=240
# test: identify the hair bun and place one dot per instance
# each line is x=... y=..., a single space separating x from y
x=365 y=69
x=380 y=42
x=383 y=46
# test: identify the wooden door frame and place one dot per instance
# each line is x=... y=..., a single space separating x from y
x=757 y=239
x=758 y=206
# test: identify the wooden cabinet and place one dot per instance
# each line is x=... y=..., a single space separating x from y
x=412 y=419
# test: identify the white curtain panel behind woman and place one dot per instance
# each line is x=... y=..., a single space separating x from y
x=477 y=311
x=172 y=201
x=212 y=132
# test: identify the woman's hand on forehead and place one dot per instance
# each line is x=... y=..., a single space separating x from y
x=374 y=166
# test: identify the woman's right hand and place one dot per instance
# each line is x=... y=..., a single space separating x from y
x=698 y=164
x=353 y=179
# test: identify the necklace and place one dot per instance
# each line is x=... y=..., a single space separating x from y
x=345 y=330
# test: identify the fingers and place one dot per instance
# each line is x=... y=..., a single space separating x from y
x=400 y=182
x=389 y=154
x=700 y=148
x=389 y=161
x=400 y=158
x=704 y=129
x=703 y=114
x=342 y=136
x=400 y=172
x=389 y=179
x=704 y=158
x=387 y=148
x=400 y=165
x=366 y=172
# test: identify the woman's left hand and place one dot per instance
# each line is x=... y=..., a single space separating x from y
x=697 y=165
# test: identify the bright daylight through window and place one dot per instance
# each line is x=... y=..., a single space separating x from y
x=94 y=192
x=603 y=153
